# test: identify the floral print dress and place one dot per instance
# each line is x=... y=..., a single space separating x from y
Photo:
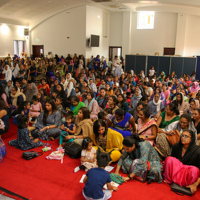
x=142 y=157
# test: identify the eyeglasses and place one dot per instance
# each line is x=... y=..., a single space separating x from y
x=185 y=136
x=181 y=122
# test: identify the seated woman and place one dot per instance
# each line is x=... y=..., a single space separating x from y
x=194 y=104
x=194 y=89
x=16 y=98
x=84 y=126
x=196 y=121
x=156 y=106
x=121 y=102
x=135 y=112
x=31 y=91
x=112 y=103
x=44 y=85
x=183 y=106
x=147 y=128
x=183 y=166
x=136 y=98
x=109 y=90
x=48 y=122
x=136 y=158
x=76 y=105
x=102 y=99
x=167 y=117
x=121 y=122
x=92 y=105
x=162 y=95
x=23 y=140
x=162 y=145
x=4 y=117
x=107 y=140
x=62 y=94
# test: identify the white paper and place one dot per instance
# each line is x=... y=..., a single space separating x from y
x=82 y=178
x=109 y=168
x=112 y=183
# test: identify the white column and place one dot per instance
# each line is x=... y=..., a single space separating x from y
x=126 y=33
x=180 y=34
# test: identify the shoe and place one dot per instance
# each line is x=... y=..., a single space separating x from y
x=76 y=169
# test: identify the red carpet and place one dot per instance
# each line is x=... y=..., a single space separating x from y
x=42 y=179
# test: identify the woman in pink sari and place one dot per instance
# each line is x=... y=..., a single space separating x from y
x=184 y=165
x=147 y=128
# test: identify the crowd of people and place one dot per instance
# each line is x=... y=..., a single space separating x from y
x=130 y=117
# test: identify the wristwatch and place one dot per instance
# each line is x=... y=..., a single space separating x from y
x=129 y=176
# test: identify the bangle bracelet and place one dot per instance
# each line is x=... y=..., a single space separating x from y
x=47 y=127
x=74 y=137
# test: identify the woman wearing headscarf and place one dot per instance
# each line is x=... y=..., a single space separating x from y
x=92 y=105
x=156 y=105
x=8 y=73
x=183 y=166
x=97 y=63
x=31 y=91
x=70 y=90
x=194 y=104
x=194 y=89
x=136 y=98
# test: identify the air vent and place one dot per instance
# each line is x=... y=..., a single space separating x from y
x=26 y=32
x=101 y=1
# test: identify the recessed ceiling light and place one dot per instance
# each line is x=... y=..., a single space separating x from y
x=98 y=17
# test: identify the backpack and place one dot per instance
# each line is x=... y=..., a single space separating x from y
x=2 y=149
x=73 y=149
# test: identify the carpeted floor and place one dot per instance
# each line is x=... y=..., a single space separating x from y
x=42 y=179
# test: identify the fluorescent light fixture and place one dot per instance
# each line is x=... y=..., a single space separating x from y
x=4 y=29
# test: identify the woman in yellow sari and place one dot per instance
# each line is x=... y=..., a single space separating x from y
x=107 y=140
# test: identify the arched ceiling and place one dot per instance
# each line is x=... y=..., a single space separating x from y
x=32 y=12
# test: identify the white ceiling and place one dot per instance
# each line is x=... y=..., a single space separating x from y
x=32 y=12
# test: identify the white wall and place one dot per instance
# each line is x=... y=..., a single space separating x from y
x=7 y=37
x=97 y=23
x=116 y=24
x=192 y=41
x=154 y=40
x=54 y=31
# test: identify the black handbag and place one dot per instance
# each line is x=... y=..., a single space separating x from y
x=180 y=190
x=31 y=154
x=73 y=149
x=118 y=127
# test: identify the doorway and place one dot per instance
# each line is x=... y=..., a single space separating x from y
x=37 y=50
x=115 y=51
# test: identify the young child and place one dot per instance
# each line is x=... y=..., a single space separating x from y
x=54 y=94
x=23 y=141
x=69 y=128
x=24 y=109
x=88 y=156
x=96 y=178
x=36 y=107
x=59 y=104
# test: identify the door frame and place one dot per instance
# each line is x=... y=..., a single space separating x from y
x=110 y=51
x=37 y=46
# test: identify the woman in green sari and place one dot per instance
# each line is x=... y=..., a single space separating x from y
x=167 y=117
x=76 y=104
